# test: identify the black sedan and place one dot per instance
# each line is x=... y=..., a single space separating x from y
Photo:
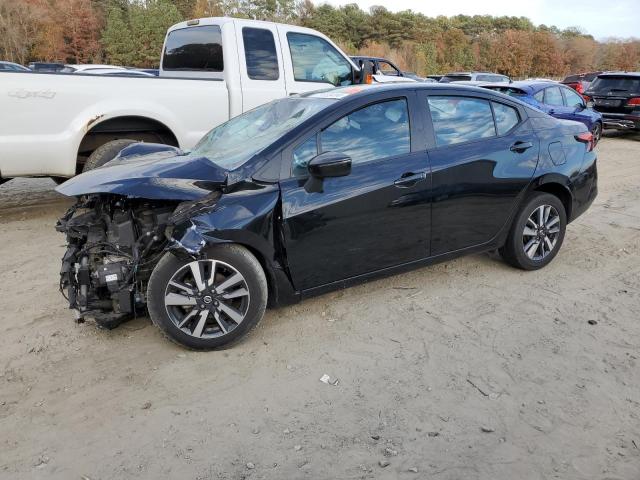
x=316 y=192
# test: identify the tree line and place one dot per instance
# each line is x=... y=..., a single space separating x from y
x=131 y=32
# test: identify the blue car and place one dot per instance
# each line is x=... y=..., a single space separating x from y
x=555 y=99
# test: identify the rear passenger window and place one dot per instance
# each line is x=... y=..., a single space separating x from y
x=194 y=48
x=371 y=133
x=552 y=96
x=260 y=54
x=539 y=96
x=506 y=117
x=460 y=119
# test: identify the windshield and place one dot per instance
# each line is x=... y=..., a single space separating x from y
x=619 y=84
x=233 y=143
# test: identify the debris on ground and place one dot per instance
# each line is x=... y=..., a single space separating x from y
x=384 y=463
x=327 y=379
x=390 y=452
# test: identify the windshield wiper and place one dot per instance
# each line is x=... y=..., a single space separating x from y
x=618 y=90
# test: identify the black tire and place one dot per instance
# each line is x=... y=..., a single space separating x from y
x=105 y=153
x=513 y=250
x=596 y=131
x=236 y=256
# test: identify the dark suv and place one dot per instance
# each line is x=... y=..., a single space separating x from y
x=617 y=97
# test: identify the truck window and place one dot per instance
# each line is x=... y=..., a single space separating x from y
x=194 y=48
x=260 y=54
x=316 y=60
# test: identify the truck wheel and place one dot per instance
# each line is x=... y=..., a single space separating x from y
x=207 y=303
x=105 y=153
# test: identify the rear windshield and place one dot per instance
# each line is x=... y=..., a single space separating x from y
x=616 y=84
x=455 y=78
x=195 y=49
x=492 y=78
x=511 y=91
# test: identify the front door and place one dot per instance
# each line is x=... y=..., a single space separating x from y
x=312 y=62
x=376 y=217
x=480 y=166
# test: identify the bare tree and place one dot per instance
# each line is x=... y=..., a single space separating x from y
x=18 y=30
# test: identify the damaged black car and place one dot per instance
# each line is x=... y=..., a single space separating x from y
x=316 y=192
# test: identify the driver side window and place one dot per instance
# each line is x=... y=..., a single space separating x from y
x=316 y=60
x=370 y=133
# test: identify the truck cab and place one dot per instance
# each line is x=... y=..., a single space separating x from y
x=259 y=61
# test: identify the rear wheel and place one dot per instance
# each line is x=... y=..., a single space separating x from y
x=537 y=232
x=596 y=131
x=207 y=303
x=105 y=153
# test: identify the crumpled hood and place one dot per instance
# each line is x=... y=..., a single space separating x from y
x=155 y=176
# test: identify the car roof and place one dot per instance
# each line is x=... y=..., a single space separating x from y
x=620 y=74
x=474 y=73
x=354 y=91
x=528 y=86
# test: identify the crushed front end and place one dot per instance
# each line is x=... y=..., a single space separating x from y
x=114 y=242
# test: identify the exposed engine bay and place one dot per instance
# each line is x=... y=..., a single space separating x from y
x=114 y=243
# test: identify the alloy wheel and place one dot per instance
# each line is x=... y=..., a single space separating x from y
x=596 y=131
x=541 y=232
x=207 y=298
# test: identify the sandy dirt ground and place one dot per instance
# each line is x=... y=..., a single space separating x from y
x=466 y=370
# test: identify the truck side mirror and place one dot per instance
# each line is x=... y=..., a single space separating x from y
x=366 y=71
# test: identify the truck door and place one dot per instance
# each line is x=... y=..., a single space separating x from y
x=261 y=68
x=312 y=62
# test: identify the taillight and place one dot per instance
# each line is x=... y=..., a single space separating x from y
x=587 y=98
x=587 y=138
x=579 y=88
x=634 y=102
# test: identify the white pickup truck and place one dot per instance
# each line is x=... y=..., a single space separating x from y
x=56 y=124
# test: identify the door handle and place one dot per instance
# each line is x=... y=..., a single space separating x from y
x=520 y=147
x=409 y=179
x=293 y=93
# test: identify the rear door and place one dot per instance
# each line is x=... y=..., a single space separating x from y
x=261 y=66
x=483 y=154
x=376 y=217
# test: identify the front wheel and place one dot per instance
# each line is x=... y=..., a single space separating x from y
x=105 y=153
x=207 y=303
x=537 y=232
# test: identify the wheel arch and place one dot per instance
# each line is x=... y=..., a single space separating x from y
x=100 y=130
x=558 y=186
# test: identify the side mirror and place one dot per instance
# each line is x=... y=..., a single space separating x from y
x=366 y=71
x=330 y=164
x=325 y=165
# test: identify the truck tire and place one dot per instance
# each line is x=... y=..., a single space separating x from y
x=105 y=153
x=218 y=308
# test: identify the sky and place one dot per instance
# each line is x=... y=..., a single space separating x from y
x=600 y=18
